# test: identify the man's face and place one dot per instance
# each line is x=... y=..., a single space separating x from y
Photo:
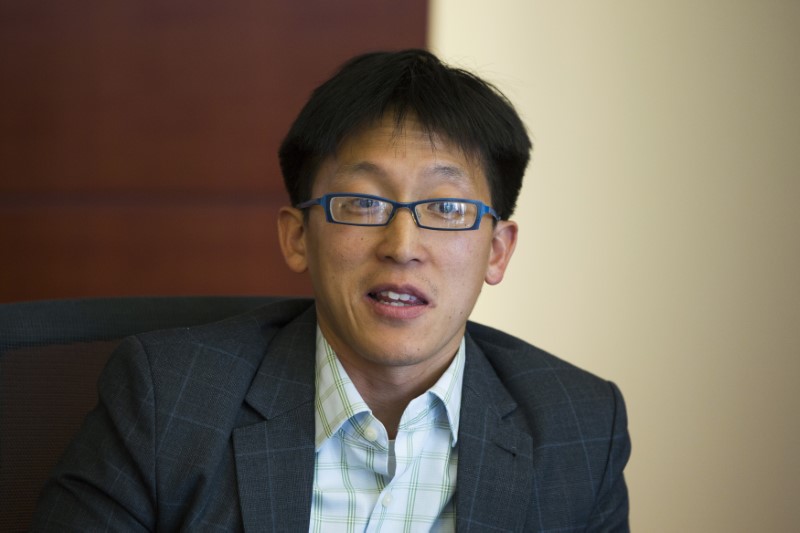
x=397 y=295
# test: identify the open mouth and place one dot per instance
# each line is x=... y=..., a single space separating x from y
x=396 y=299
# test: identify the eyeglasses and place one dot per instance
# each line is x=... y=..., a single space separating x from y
x=445 y=214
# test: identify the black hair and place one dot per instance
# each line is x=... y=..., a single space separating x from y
x=445 y=101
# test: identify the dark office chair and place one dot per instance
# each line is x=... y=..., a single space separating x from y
x=51 y=354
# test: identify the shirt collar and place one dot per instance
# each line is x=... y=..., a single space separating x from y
x=448 y=390
x=337 y=400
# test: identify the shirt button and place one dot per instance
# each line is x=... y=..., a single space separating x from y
x=371 y=433
x=387 y=500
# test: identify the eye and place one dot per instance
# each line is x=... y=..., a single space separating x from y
x=447 y=209
x=361 y=206
x=366 y=203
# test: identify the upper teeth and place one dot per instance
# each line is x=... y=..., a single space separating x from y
x=397 y=296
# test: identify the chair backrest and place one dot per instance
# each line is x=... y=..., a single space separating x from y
x=51 y=354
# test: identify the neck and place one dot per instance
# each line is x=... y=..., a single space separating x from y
x=388 y=393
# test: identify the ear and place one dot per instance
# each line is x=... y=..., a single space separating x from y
x=292 y=237
x=504 y=240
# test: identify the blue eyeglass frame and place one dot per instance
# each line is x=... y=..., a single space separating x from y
x=325 y=202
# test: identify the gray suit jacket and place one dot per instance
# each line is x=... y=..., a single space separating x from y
x=212 y=428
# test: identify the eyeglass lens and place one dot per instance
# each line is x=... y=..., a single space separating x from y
x=370 y=211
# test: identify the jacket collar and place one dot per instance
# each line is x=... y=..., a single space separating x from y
x=495 y=452
x=275 y=457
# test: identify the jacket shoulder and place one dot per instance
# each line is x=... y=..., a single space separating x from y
x=246 y=334
x=205 y=367
x=530 y=373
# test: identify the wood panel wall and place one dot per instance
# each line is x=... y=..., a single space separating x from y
x=138 y=140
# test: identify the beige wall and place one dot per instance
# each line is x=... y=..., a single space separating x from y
x=659 y=238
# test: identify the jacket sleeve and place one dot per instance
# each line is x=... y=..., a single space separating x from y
x=106 y=477
x=611 y=510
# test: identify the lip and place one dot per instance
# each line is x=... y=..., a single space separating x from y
x=404 y=312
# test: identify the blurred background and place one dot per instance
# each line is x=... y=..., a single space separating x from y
x=139 y=139
x=659 y=221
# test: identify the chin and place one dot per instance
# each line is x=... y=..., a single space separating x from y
x=399 y=357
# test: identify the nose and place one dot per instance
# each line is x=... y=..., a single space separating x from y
x=400 y=241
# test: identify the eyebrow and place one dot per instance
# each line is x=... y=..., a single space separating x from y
x=360 y=167
x=450 y=172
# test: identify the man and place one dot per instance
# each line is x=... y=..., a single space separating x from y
x=376 y=406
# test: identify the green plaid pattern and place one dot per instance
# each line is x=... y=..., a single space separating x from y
x=357 y=484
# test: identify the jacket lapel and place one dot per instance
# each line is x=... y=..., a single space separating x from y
x=495 y=463
x=275 y=457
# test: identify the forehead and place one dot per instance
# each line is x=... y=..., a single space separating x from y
x=390 y=150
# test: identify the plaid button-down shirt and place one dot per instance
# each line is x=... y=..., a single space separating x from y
x=363 y=481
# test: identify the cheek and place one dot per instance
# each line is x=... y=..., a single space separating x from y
x=465 y=264
x=469 y=253
x=338 y=255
